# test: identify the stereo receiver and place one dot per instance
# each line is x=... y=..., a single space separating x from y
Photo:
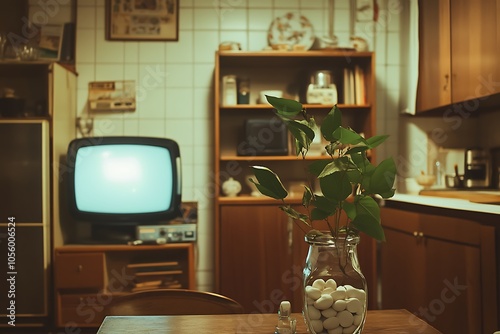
x=166 y=233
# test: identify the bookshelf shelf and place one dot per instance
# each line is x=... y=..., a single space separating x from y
x=249 y=220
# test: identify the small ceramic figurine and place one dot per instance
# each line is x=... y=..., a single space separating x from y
x=231 y=187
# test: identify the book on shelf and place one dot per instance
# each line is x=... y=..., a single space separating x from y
x=154 y=268
x=139 y=271
x=152 y=264
x=158 y=273
x=359 y=85
x=354 y=85
x=348 y=86
x=156 y=284
x=146 y=284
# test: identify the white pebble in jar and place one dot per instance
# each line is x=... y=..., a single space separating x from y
x=338 y=295
x=349 y=330
x=346 y=318
x=334 y=309
x=323 y=302
x=354 y=305
x=337 y=330
x=313 y=292
x=331 y=323
x=327 y=291
x=339 y=305
x=317 y=325
x=356 y=293
x=314 y=313
x=319 y=284
x=330 y=283
x=329 y=312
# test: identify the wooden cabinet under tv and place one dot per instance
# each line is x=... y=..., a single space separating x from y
x=259 y=253
x=87 y=277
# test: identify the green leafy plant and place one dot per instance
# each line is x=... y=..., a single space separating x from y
x=349 y=182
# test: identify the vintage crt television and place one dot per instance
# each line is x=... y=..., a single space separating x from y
x=118 y=183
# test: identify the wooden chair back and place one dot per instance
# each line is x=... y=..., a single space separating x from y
x=172 y=302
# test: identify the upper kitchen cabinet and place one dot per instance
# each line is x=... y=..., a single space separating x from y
x=458 y=53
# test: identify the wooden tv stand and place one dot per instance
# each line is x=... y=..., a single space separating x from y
x=87 y=277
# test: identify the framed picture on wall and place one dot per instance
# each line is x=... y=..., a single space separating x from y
x=142 y=20
x=49 y=44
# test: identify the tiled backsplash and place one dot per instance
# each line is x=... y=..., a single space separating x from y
x=175 y=79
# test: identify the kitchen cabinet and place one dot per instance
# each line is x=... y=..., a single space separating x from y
x=255 y=257
x=458 y=55
x=440 y=268
x=263 y=254
x=86 y=277
x=30 y=148
x=259 y=254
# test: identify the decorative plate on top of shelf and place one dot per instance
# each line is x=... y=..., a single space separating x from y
x=291 y=29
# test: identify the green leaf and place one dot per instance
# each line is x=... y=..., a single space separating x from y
x=331 y=122
x=285 y=107
x=331 y=147
x=336 y=186
x=362 y=163
x=303 y=134
x=354 y=176
x=294 y=214
x=376 y=140
x=349 y=209
x=325 y=204
x=316 y=167
x=337 y=165
x=388 y=194
x=366 y=205
x=318 y=214
x=347 y=136
x=307 y=197
x=382 y=179
x=323 y=208
x=366 y=223
x=357 y=149
x=269 y=183
x=367 y=217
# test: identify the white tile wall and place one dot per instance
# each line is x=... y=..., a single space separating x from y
x=175 y=80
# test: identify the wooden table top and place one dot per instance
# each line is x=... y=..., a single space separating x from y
x=379 y=321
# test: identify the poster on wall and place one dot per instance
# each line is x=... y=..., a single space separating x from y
x=142 y=20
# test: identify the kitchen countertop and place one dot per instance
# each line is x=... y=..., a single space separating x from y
x=439 y=201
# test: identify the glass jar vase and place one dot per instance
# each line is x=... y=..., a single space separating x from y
x=335 y=292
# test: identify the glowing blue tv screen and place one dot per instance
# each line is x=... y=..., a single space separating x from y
x=124 y=179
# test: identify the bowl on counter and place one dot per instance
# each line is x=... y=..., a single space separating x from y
x=426 y=180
